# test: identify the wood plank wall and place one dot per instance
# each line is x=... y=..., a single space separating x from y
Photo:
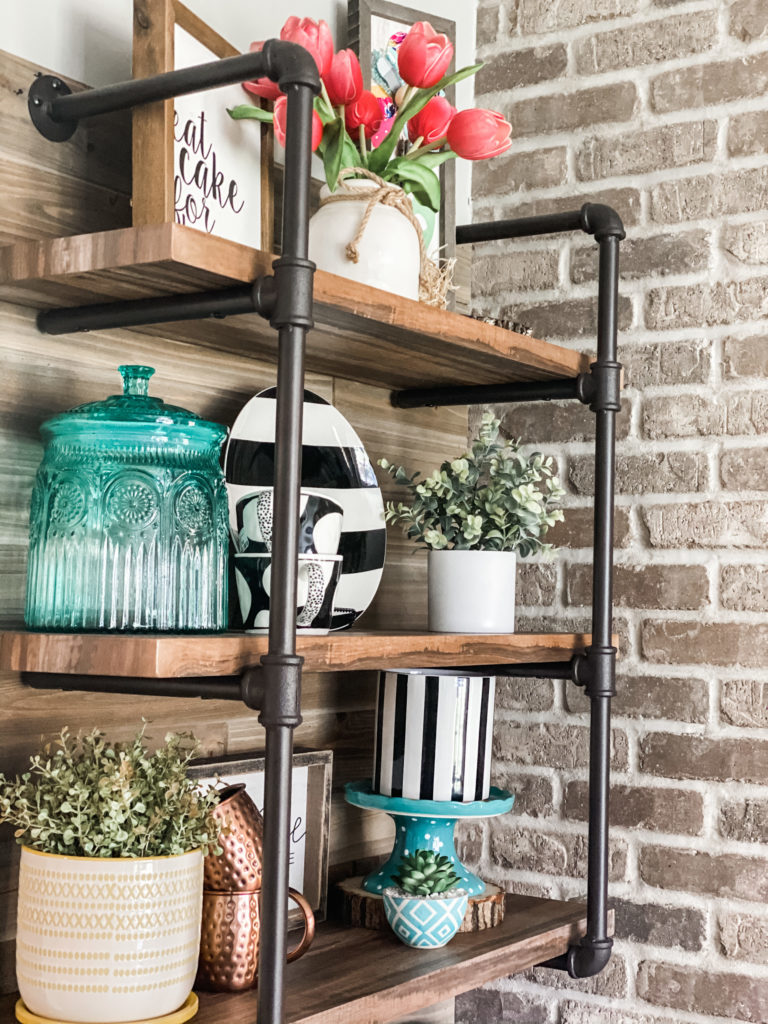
x=83 y=185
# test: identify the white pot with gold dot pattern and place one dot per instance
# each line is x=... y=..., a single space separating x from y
x=106 y=940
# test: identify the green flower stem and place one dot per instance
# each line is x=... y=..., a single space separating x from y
x=363 y=150
x=324 y=94
x=418 y=150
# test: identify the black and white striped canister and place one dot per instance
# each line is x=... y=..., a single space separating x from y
x=433 y=736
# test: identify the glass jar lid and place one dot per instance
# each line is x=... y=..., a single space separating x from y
x=134 y=416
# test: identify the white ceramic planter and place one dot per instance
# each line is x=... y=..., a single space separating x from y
x=389 y=248
x=471 y=591
x=102 y=940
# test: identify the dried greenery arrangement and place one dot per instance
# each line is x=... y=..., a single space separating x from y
x=493 y=498
x=86 y=797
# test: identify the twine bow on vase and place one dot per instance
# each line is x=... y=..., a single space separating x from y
x=434 y=281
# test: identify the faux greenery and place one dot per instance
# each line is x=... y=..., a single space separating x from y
x=424 y=873
x=85 y=797
x=492 y=498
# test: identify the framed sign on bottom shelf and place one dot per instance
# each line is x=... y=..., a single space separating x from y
x=310 y=814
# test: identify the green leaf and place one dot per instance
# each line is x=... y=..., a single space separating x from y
x=337 y=151
x=325 y=110
x=417 y=179
x=434 y=159
x=246 y=111
x=333 y=152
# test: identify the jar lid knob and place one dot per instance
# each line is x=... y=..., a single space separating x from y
x=136 y=379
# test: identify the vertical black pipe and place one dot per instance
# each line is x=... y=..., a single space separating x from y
x=282 y=698
x=602 y=602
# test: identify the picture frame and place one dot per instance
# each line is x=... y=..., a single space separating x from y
x=310 y=815
x=191 y=163
x=368 y=21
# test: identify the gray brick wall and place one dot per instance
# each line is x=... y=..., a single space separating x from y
x=659 y=107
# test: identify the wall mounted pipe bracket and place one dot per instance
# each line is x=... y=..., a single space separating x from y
x=258 y=297
x=56 y=111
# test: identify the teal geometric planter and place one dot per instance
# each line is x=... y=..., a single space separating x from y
x=425 y=922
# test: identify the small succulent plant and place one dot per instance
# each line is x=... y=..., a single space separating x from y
x=425 y=873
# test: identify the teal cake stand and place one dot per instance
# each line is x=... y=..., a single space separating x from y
x=425 y=825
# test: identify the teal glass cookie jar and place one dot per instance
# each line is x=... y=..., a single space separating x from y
x=128 y=523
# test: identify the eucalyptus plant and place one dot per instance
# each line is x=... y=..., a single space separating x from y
x=85 y=797
x=492 y=498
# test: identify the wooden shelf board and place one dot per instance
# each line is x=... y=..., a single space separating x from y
x=361 y=333
x=357 y=976
x=219 y=654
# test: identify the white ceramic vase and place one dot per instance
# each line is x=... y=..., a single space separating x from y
x=389 y=247
x=102 y=940
x=471 y=591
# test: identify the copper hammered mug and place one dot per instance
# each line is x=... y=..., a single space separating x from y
x=229 y=941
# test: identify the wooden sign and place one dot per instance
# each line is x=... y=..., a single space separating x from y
x=310 y=820
x=192 y=163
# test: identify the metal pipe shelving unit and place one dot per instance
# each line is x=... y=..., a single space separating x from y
x=285 y=299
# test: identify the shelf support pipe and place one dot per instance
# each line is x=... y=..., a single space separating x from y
x=281 y=667
x=596 y=669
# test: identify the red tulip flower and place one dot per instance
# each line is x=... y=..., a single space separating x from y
x=431 y=123
x=281 y=109
x=344 y=80
x=365 y=111
x=314 y=36
x=478 y=134
x=263 y=87
x=424 y=56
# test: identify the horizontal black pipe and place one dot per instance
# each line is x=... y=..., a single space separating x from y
x=519 y=227
x=534 y=670
x=207 y=687
x=281 y=61
x=156 y=310
x=593 y=218
x=479 y=394
x=258 y=297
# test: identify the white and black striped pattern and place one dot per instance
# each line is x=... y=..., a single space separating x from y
x=334 y=463
x=433 y=736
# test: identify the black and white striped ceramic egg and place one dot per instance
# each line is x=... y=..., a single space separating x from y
x=334 y=463
x=433 y=736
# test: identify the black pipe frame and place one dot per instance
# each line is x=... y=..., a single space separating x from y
x=596 y=669
x=286 y=299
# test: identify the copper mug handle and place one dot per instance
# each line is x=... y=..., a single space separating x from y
x=309 y=926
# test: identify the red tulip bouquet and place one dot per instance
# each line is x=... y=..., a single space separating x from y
x=351 y=129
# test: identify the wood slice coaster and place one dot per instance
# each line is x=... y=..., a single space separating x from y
x=361 y=909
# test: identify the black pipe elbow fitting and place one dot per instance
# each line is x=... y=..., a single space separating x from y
x=601 y=221
x=290 y=64
x=589 y=957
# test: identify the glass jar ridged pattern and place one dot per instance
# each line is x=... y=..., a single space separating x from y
x=128 y=520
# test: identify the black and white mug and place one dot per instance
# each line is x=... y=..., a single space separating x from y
x=320 y=520
x=317 y=578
